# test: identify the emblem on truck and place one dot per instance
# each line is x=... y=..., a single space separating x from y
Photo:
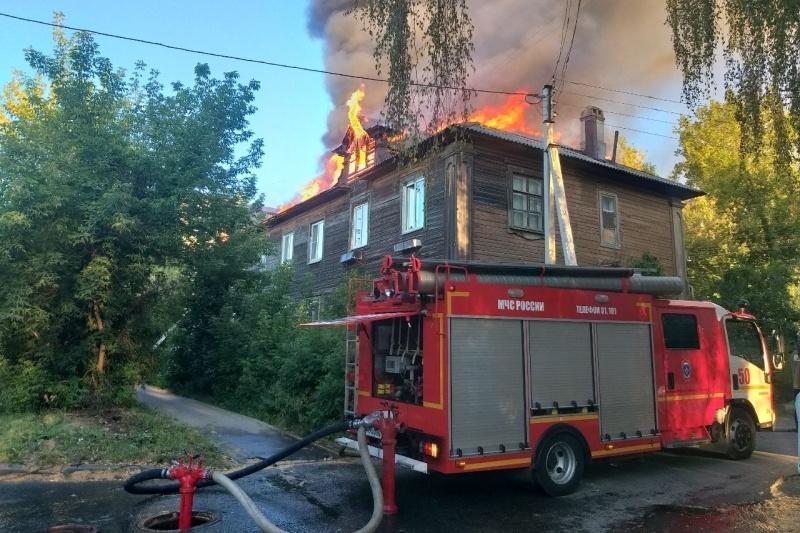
x=686 y=370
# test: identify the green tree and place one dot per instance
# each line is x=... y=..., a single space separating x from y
x=743 y=239
x=113 y=193
x=426 y=46
x=760 y=44
x=632 y=157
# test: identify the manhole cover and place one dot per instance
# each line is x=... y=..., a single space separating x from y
x=169 y=521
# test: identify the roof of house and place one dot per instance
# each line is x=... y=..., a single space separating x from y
x=675 y=188
x=626 y=174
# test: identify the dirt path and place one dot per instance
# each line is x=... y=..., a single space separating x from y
x=243 y=437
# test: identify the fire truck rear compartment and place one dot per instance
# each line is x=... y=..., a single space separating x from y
x=575 y=367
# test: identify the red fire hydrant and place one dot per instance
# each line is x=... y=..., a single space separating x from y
x=389 y=427
x=188 y=474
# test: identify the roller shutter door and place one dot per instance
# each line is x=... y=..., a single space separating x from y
x=487 y=388
x=625 y=378
x=561 y=363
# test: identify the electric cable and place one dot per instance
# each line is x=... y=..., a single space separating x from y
x=257 y=61
x=623 y=103
x=631 y=93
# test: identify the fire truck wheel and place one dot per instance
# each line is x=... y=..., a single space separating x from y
x=559 y=464
x=741 y=434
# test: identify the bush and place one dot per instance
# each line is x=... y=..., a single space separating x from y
x=243 y=350
x=28 y=387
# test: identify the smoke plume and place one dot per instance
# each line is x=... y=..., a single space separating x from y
x=622 y=44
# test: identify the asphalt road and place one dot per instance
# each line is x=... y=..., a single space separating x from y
x=676 y=491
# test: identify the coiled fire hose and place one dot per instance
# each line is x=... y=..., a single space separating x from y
x=133 y=484
x=268 y=527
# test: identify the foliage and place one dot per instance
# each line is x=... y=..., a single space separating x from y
x=632 y=157
x=113 y=195
x=427 y=45
x=743 y=239
x=116 y=436
x=760 y=42
x=649 y=263
x=243 y=350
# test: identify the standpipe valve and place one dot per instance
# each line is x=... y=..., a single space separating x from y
x=188 y=473
x=387 y=423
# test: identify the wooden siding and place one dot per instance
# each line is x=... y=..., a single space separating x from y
x=481 y=231
x=645 y=219
x=384 y=230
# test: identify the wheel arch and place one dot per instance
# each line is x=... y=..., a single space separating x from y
x=743 y=403
x=558 y=429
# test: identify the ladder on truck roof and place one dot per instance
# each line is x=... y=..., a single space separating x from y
x=351 y=370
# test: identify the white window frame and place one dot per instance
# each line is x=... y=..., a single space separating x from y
x=287 y=251
x=359 y=225
x=315 y=254
x=410 y=192
x=617 y=242
x=526 y=195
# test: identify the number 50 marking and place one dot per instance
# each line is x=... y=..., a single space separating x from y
x=744 y=376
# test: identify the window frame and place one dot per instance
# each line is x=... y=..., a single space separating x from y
x=404 y=188
x=511 y=191
x=284 y=248
x=696 y=333
x=617 y=244
x=321 y=241
x=365 y=229
x=762 y=364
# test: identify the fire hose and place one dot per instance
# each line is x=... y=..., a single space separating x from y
x=267 y=526
x=191 y=479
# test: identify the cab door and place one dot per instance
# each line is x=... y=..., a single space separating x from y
x=750 y=379
x=685 y=397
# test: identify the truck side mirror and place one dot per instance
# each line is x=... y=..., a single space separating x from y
x=778 y=360
x=778 y=356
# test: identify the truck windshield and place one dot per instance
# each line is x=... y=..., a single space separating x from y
x=744 y=341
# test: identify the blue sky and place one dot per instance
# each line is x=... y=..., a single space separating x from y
x=292 y=106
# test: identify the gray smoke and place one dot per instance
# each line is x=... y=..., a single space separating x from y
x=622 y=44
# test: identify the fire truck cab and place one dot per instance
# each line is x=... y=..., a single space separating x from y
x=544 y=367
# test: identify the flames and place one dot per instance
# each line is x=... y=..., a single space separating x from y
x=514 y=115
x=335 y=163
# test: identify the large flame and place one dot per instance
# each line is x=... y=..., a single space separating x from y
x=512 y=115
x=335 y=163
x=360 y=135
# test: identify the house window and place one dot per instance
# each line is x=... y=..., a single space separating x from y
x=609 y=220
x=359 y=225
x=413 y=204
x=287 y=247
x=315 y=241
x=526 y=203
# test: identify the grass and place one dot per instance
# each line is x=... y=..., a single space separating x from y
x=119 y=436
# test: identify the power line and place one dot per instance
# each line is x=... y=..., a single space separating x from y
x=643 y=131
x=569 y=50
x=256 y=61
x=642 y=117
x=623 y=103
x=631 y=93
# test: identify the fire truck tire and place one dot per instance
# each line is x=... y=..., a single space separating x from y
x=559 y=464
x=740 y=434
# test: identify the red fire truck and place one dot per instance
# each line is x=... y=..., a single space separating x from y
x=498 y=366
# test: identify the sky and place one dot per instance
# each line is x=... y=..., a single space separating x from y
x=292 y=106
x=620 y=45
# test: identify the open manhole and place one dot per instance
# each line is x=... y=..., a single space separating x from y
x=169 y=521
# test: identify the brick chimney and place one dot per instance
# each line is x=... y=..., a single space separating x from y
x=593 y=141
